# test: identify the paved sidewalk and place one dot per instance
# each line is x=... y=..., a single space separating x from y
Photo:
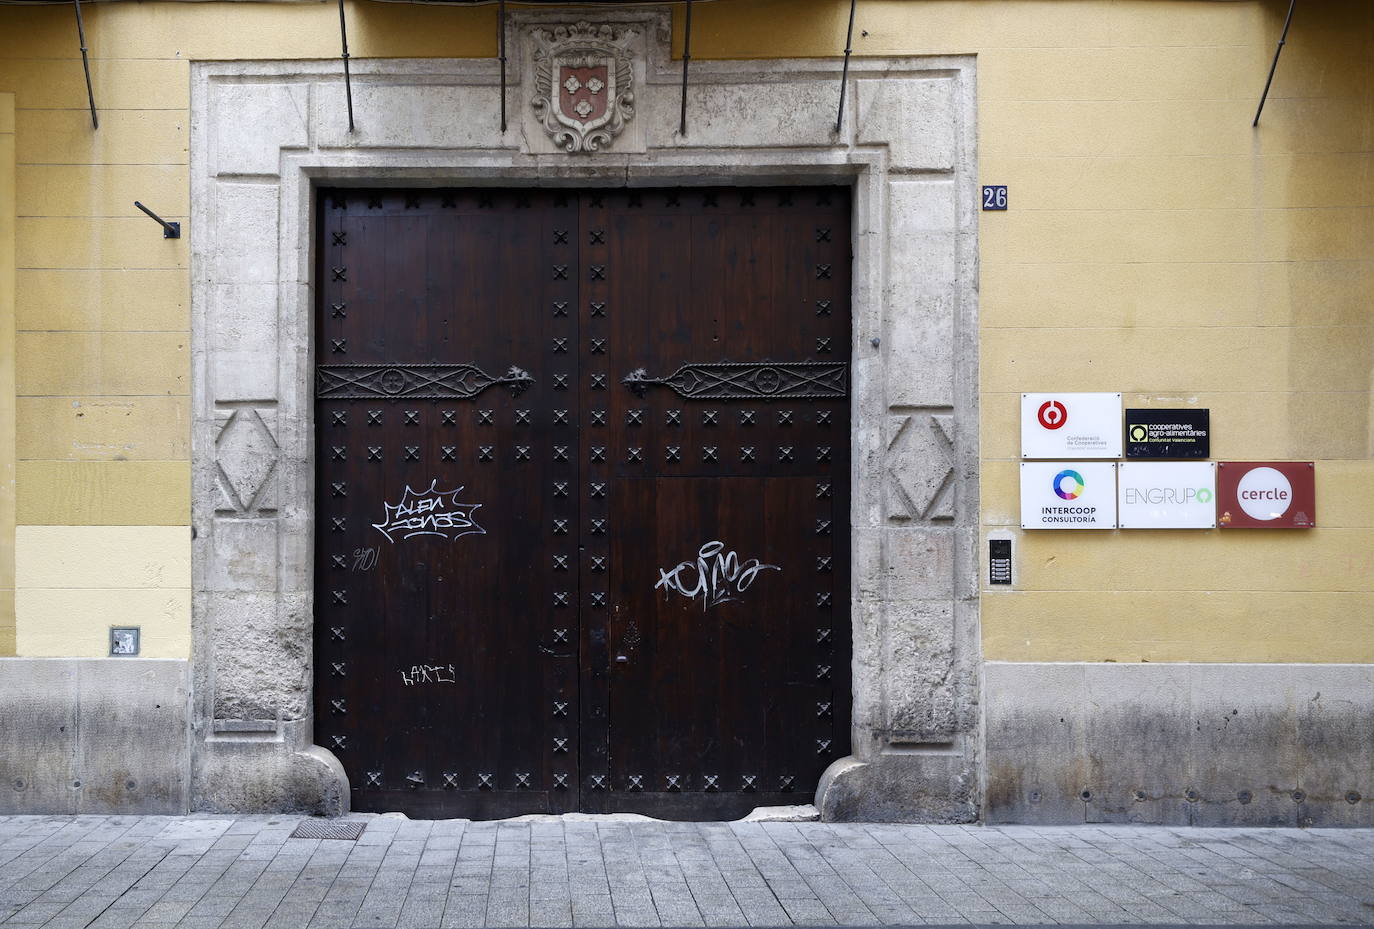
x=69 y=872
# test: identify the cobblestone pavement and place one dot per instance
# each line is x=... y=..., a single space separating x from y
x=66 y=872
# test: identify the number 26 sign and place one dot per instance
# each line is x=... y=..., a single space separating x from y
x=995 y=197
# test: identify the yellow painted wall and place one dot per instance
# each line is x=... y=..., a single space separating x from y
x=1184 y=257
x=77 y=581
x=7 y=410
x=1161 y=247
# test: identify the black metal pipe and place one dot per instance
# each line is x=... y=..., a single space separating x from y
x=1274 y=66
x=348 y=74
x=169 y=230
x=686 y=60
x=501 y=45
x=844 y=75
x=86 y=64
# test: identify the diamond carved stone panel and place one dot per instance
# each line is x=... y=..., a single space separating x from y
x=246 y=455
x=919 y=468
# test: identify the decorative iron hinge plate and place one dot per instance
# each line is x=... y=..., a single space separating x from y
x=801 y=380
x=415 y=381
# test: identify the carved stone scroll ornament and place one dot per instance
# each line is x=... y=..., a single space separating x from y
x=584 y=84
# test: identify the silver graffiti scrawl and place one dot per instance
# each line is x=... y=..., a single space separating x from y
x=429 y=512
x=715 y=575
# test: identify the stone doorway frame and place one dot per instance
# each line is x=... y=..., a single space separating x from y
x=907 y=149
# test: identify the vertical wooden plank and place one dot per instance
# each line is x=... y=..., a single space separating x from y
x=595 y=307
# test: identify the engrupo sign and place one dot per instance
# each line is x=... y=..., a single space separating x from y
x=1266 y=495
x=1166 y=495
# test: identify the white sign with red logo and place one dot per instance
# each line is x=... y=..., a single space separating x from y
x=1071 y=425
x=1068 y=495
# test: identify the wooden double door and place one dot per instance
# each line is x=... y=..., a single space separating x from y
x=582 y=535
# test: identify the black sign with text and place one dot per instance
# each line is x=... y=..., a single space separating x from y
x=1168 y=433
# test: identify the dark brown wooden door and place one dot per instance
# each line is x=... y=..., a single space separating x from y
x=582 y=531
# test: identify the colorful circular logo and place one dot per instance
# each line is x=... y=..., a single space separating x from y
x=1052 y=414
x=1068 y=484
x=1204 y=495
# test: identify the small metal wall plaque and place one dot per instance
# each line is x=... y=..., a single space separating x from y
x=123 y=641
x=999 y=561
x=995 y=197
x=1182 y=433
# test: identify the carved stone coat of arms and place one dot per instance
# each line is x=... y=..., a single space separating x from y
x=584 y=84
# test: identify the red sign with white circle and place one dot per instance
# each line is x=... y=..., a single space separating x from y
x=1266 y=495
x=1052 y=414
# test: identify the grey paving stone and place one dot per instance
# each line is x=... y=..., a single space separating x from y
x=461 y=910
x=423 y=911
x=247 y=873
x=200 y=922
x=808 y=913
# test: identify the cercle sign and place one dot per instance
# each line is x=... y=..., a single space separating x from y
x=1266 y=495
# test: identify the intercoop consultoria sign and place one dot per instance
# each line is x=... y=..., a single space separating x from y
x=1068 y=495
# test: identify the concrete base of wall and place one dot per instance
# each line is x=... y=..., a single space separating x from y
x=901 y=787
x=1194 y=744
x=93 y=735
x=242 y=771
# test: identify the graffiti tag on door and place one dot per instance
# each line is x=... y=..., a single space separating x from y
x=716 y=576
x=428 y=674
x=429 y=512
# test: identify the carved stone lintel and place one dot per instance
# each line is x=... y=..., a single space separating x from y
x=584 y=84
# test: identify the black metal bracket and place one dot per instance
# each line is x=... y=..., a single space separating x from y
x=86 y=63
x=348 y=75
x=169 y=230
x=686 y=60
x=1288 y=21
x=844 y=74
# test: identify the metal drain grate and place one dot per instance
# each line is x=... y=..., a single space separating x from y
x=328 y=829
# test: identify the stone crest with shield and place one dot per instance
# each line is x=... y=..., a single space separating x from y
x=584 y=84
